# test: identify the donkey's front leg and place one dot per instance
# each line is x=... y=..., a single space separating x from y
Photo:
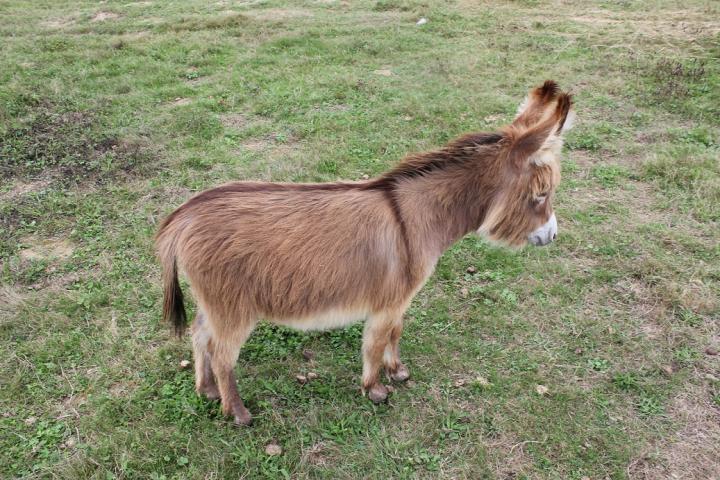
x=376 y=338
x=395 y=369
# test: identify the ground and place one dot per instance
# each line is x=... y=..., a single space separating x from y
x=593 y=358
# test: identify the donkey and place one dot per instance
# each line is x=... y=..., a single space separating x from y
x=324 y=255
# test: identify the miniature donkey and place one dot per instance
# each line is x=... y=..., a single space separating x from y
x=321 y=256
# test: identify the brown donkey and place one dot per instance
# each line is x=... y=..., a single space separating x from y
x=320 y=256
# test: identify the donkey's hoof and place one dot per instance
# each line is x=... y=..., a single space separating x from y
x=378 y=393
x=210 y=391
x=244 y=420
x=400 y=374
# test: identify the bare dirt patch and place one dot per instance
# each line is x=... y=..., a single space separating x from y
x=236 y=121
x=104 y=16
x=70 y=146
x=515 y=463
x=46 y=249
x=691 y=452
x=179 y=102
x=21 y=188
x=256 y=144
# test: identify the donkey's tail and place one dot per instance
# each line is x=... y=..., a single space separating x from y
x=173 y=302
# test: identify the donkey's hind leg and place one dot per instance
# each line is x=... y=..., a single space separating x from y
x=228 y=338
x=202 y=353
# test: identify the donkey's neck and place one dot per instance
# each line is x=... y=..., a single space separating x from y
x=439 y=208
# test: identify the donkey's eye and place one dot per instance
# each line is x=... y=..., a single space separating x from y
x=540 y=199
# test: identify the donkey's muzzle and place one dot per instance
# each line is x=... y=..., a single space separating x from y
x=545 y=234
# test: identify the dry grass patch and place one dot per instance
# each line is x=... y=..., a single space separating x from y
x=278 y=14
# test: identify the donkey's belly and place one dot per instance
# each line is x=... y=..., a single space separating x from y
x=326 y=320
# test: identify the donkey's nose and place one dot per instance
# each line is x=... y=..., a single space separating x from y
x=545 y=234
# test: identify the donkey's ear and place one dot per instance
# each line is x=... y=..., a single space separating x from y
x=541 y=120
x=539 y=106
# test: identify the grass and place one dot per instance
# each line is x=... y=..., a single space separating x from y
x=113 y=114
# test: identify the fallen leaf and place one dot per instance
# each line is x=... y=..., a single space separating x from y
x=383 y=72
x=312 y=375
x=184 y=364
x=541 y=389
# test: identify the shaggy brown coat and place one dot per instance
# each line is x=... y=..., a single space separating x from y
x=318 y=256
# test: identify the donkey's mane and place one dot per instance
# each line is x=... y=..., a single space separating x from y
x=457 y=152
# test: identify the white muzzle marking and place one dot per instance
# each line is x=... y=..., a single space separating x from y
x=545 y=234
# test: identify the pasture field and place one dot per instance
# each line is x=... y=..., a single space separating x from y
x=593 y=358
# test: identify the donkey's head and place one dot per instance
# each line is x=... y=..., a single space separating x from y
x=528 y=170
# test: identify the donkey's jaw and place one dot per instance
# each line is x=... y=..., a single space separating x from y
x=545 y=234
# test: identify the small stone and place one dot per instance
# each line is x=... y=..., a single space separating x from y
x=471 y=269
x=422 y=21
x=711 y=351
x=308 y=354
x=30 y=420
x=312 y=375
x=667 y=369
x=184 y=364
x=578 y=351
x=70 y=442
x=464 y=292
x=541 y=389
x=7 y=414
x=410 y=384
x=459 y=382
x=365 y=176
x=302 y=379
x=383 y=72
x=273 y=449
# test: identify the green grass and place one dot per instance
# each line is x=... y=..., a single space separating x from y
x=113 y=114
